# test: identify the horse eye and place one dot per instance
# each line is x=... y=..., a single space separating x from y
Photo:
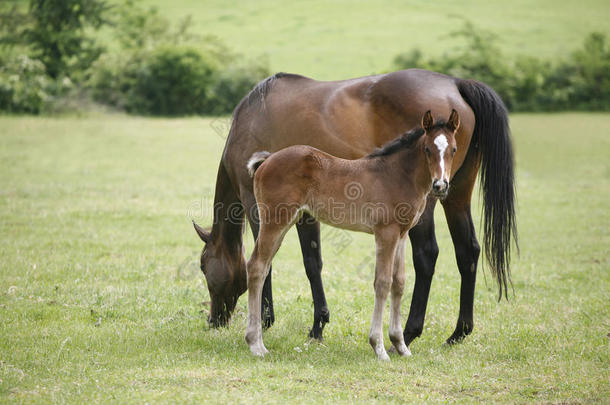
x=454 y=149
x=427 y=150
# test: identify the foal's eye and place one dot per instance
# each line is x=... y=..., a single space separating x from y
x=454 y=150
x=427 y=150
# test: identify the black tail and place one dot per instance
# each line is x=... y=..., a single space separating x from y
x=492 y=138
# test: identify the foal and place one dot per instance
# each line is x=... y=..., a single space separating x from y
x=383 y=193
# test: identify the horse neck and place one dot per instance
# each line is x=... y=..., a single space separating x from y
x=414 y=168
x=227 y=228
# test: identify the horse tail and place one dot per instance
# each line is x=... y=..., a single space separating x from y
x=256 y=160
x=492 y=139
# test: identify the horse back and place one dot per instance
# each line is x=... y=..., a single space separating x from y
x=347 y=118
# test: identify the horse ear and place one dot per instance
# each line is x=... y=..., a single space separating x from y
x=205 y=236
x=427 y=122
x=454 y=121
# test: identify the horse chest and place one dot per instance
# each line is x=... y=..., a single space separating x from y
x=418 y=213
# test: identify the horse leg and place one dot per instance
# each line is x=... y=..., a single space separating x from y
x=467 y=252
x=425 y=253
x=398 y=286
x=386 y=242
x=266 y=245
x=267 y=313
x=309 y=236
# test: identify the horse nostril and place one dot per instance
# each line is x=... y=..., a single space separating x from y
x=440 y=185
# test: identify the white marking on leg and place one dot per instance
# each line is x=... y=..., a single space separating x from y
x=398 y=280
x=376 y=333
x=442 y=143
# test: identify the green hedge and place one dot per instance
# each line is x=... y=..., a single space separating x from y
x=581 y=81
x=172 y=81
x=24 y=85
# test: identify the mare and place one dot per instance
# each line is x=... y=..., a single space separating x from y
x=349 y=119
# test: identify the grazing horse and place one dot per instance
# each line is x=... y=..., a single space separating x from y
x=349 y=119
x=392 y=185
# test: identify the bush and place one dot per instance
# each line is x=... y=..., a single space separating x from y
x=160 y=71
x=24 y=85
x=232 y=83
x=56 y=32
x=582 y=82
x=172 y=81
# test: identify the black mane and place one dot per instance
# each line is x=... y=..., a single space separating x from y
x=404 y=141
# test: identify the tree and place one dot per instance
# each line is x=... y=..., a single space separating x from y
x=57 y=33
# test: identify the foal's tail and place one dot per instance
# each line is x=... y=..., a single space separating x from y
x=256 y=160
x=492 y=137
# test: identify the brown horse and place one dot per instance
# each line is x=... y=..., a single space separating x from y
x=349 y=119
x=391 y=188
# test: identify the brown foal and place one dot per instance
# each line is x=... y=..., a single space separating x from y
x=383 y=193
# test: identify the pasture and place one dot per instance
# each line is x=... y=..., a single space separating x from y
x=101 y=297
x=340 y=39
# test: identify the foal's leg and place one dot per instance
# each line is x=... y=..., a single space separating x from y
x=267 y=312
x=398 y=286
x=309 y=236
x=386 y=240
x=425 y=252
x=267 y=243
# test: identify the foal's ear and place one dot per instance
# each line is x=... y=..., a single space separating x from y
x=427 y=122
x=205 y=236
x=454 y=121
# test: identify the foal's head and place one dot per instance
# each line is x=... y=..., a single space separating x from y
x=440 y=147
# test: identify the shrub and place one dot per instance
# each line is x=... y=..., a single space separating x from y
x=581 y=82
x=24 y=85
x=232 y=83
x=170 y=81
x=160 y=71
x=57 y=32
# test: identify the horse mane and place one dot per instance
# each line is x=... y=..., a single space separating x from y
x=258 y=93
x=261 y=90
x=404 y=141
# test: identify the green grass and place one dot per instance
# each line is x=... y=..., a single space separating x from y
x=341 y=39
x=101 y=298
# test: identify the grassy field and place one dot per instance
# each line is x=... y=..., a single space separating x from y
x=101 y=298
x=340 y=39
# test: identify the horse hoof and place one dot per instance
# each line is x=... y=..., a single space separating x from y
x=258 y=352
x=383 y=356
x=403 y=350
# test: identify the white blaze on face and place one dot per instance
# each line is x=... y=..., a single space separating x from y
x=441 y=143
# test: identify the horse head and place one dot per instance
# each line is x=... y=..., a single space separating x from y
x=440 y=147
x=225 y=273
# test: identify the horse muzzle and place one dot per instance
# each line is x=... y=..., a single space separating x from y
x=440 y=188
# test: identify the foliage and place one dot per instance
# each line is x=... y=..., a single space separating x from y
x=58 y=33
x=24 y=85
x=580 y=82
x=233 y=82
x=170 y=81
x=45 y=50
x=165 y=71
